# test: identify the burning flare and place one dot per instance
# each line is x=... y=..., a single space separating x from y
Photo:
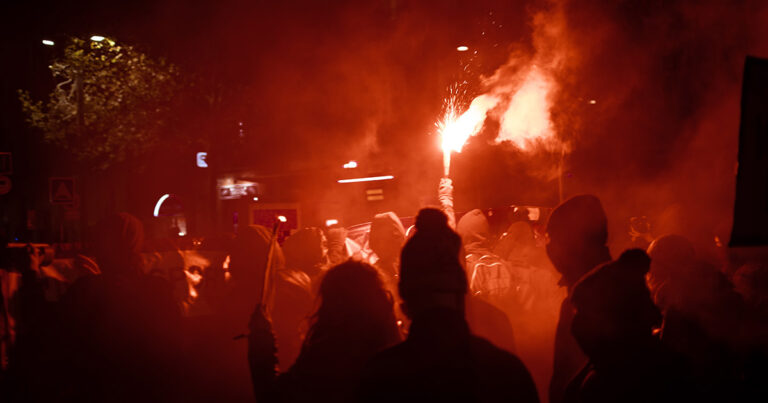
x=523 y=114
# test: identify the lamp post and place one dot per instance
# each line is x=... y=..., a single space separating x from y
x=80 y=114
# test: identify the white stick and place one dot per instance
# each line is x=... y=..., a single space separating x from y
x=446 y=162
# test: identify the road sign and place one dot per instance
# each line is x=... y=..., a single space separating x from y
x=5 y=185
x=62 y=190
x=6 y=164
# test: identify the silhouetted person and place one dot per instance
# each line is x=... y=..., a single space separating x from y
x=305 y=262
x=704 y=318
x=614 y=323
x=26 y=326
x=218 y=369
x=490 y=282
x=386 y=239
x=337 y=245
x=120 y=329
x=441 y=360
x=578 y=232
x=354 y=321
x=484 y=318
x=534 y=305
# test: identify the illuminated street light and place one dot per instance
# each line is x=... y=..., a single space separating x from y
x=462 y=48
x=97 y=38
x=48 y=42
x=592 y=101
x=330 y=222
x=282 y=218
x=160 y=203
x=350 y=164
x=367 y=179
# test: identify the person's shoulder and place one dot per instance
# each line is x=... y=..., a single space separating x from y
x=393 y=356
x=504 y=374
x=490 y=354
x=83 y=286
x=384 y=369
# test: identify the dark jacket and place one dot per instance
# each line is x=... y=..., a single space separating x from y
x=442 y=361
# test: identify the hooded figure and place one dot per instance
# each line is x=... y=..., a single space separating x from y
x=577 y=232
x=386 y=238
x=491 y=284
x=338 y=252
x=614 y=324
x=441 y=360
x=489 y=276
x=475 y=231
x=306 y=261
x=306 y=250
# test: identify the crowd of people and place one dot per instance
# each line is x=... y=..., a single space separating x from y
x=449 y=310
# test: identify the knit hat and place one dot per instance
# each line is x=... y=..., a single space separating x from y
x=430 y=260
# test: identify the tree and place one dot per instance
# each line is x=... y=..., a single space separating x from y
x=112 y=102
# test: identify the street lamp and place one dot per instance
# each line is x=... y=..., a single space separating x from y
x=48 y=42
x=102 y=39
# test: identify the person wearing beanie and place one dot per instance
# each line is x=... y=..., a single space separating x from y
x=614 y=324
x=441 y=360
x=577 y=231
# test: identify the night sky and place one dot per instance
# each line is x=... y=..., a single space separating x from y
x=318 y=83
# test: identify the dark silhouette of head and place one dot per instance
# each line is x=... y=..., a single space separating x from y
x=614 y=308
x=473 y=228
x=387 y=236
x=672 y=258
x=578 y=231
x=431 y=269
x=306 y=250
x=118 y=242
x=353 y=305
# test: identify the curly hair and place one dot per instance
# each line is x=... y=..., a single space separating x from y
x=354 y=307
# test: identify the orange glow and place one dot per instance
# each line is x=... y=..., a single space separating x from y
x=527 y=117
x=523 y=112
x=455 y=129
